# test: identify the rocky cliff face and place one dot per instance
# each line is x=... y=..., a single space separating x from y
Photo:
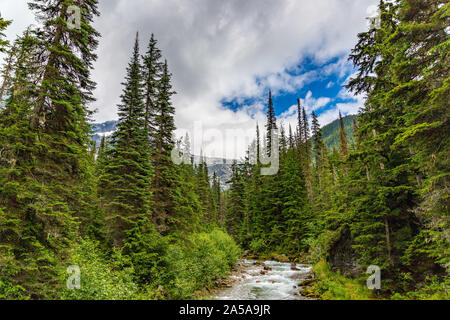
x=341 y=255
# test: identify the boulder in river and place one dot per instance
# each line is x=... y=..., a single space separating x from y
x=280 y=258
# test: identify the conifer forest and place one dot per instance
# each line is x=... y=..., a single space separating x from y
x=141 y=215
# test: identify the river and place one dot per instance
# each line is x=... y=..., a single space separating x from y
x=265 y=280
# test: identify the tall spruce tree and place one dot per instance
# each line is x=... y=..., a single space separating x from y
x=152 y=72
x=271 y=123
x=125 y=183
x=379 y=186
x=300 y=127
x=420 y=75
x=306 y=133
x=47 y=181
x=343 y=142
x=162 y=144
x=319 y=147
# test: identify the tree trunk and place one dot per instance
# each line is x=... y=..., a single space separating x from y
x=388 y=239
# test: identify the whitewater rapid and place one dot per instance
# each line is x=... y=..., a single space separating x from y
x=266 y=280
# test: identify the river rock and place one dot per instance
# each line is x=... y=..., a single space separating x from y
x=280 y=258
x=306 y=282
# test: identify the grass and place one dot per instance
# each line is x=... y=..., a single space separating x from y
x=330 y=285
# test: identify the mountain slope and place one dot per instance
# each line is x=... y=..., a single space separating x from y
x=331 y=132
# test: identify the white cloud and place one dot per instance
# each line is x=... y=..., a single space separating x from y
x=220 y=50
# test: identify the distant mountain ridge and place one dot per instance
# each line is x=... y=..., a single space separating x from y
x=103 y=129
x=222 y=167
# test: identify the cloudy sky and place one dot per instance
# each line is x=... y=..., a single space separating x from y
x=225 y=55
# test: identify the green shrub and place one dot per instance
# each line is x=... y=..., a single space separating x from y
x=334 y=286
x=9 y=269
x=197 y=263
x=182 y=269
x=432 y=289
x=226 y=244
x=258 y=246
x=101 y=278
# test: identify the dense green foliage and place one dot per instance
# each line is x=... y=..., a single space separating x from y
x=182 y=270
x=204 y=258
x=3 y=25
x=380 y=198
x=366 y=190
x=271 y=212
x=135 y=224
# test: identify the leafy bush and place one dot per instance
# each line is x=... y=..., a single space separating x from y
x=9 y=269
x=197 y=263
x=226 y=244
x=101 y=278
x=334 y=286
x=258 y=246
x=182 y=269
x=432 y=289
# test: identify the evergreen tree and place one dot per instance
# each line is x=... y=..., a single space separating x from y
x=217 y=202
x=11 y=53
x=47 y=180
x=291 y=139
x=204 y=191
x=319 y=146
x=236 y=212
x=188 y=211
x=283 y=140
x=258 y=145
x=152 y=72
x=295 y=216
x=300 y=126
x=379 y=186
x=305 y=133
x=124 y=185
x=3 y=25
x=420 y=77
x=271 y=123
x=343 y=146
x=162 y=144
